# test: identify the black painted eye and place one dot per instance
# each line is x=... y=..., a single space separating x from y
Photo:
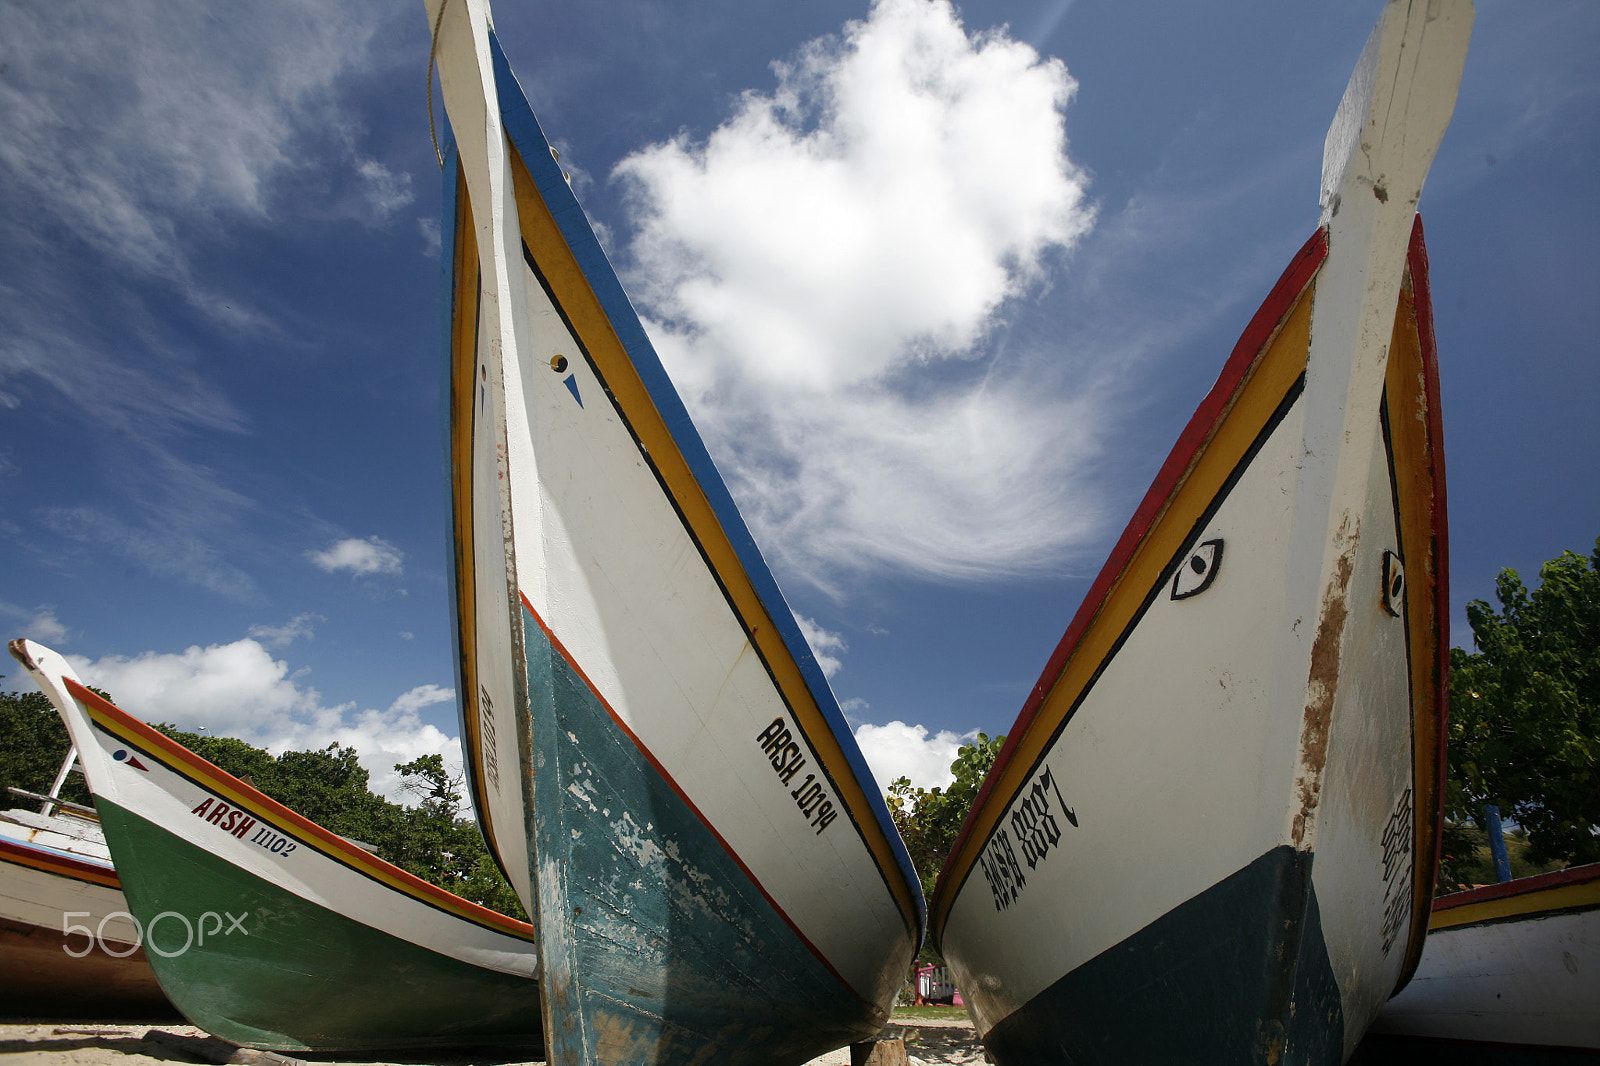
x=559 y=364
x=1201 y=569
x=1394 y=583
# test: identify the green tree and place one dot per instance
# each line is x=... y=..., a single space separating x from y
x=33 y=742
x=427 y=780
x=1525 y=714
x=330 y=787
x=929 y=820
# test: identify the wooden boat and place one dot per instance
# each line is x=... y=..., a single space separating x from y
x=269 y=931
x=1513 y=966
x=654 y=753
x=68 y=946
x=1211 y=834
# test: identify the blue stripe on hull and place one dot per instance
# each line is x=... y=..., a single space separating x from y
x=1214 y=982
x=523 y=128
x=658 y=947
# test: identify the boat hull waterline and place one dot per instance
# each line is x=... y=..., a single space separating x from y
x=271 y=932
x=1211 y=835
x=68 y=946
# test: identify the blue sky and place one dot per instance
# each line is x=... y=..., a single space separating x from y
x=939 y=284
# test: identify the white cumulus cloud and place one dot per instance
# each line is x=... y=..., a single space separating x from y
x=899 y=750
x=825 y=277
x=240 y=690
x=361 y=557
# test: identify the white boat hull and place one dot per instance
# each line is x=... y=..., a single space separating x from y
x=1211 y=834
x=1524 y=971
x=657 y=758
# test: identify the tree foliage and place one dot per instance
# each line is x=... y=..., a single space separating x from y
x=32 y=744
x=330 y=787
x=1525 y=713
x=929 y=820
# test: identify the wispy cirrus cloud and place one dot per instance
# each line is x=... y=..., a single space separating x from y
x=147 y=124
x=828 y=646
x=300 y=627
x=140 y=140
x=37 y=623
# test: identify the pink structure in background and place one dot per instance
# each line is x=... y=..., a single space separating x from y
x=935 y=986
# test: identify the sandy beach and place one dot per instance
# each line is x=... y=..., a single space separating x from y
x=929 y=1042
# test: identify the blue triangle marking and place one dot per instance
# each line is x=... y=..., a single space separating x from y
x=571 y=383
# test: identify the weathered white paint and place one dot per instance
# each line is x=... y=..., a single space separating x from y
x=1176 y=765
x=77 y=834
x=1533 y=981
x=605 y=560
x=41 y=898
x=1375 y=159
x=466 y=77
x=1367 y=778
x=1223 y=727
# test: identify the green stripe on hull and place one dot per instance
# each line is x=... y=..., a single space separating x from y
x=659 y=948
x=1237 y=975
x=299 y=976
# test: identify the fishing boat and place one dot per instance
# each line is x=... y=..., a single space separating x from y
x=268 y=930
x=1211 y=835
x=1508 y=967
x=654 y=753
x=68 y=946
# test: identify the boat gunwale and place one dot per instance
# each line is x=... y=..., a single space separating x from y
x=1425 y=873
x=118 y=723
x=808 y=698
x=1520 y=897
x=1191 y=444
x=461 y=337
x=50 y=860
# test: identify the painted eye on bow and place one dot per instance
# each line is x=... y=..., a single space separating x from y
x=558 y=363
x=1394 y=583
x=1198 y=570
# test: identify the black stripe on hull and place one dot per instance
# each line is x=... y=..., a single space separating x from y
x=1237 y=975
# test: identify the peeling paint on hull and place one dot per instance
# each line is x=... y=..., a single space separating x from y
x=1245 y=716
x=672 y=954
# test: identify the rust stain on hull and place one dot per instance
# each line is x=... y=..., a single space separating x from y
x=1322 y=683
